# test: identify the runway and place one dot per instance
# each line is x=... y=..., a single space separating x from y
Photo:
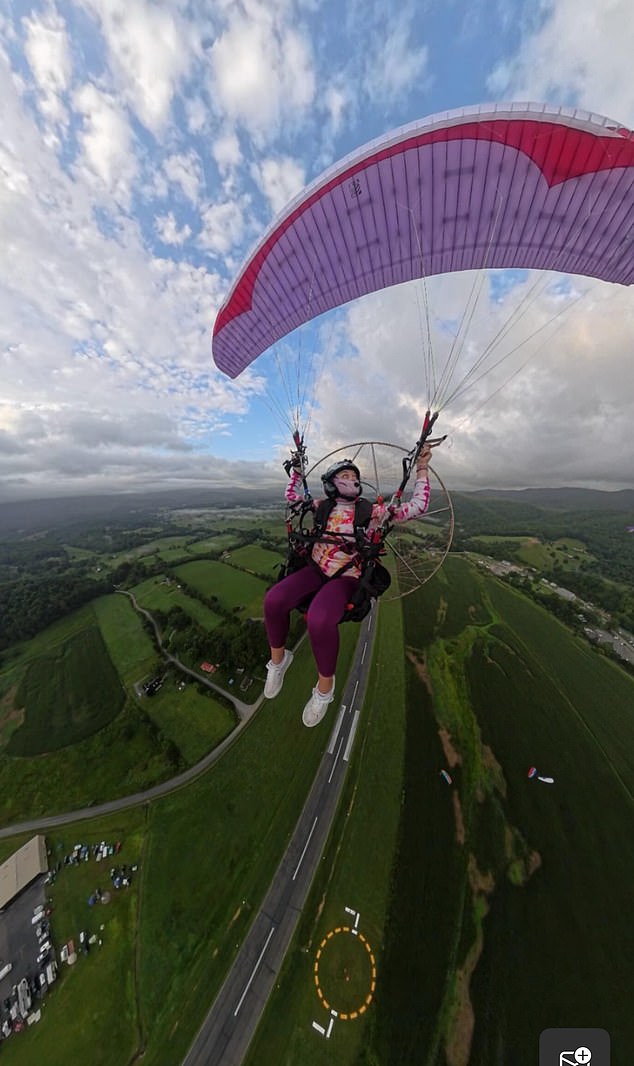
x=226 y=1033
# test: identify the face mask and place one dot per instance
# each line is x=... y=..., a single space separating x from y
x=348 y=490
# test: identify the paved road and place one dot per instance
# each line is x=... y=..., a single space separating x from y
x=227 y=1031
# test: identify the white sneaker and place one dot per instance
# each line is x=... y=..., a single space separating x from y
x=317 y=706
x=275 y=675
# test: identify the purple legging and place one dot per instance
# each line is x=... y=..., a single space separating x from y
x=322 y=618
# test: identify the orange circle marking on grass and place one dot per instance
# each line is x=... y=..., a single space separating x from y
x=368 y=999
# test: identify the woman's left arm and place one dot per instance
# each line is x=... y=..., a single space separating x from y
x=419 y=501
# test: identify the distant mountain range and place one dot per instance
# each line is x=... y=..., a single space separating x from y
x=33 y=516
x=562 y=499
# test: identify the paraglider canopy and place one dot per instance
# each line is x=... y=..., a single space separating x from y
x=498 y=186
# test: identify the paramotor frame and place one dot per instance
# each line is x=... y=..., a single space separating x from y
x=417 y=548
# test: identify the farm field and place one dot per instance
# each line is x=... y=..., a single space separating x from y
x=160 y=594
x=219 y=543
x=236 y=591
x=67 y=696
x=512 y=688
x=191 y=719
x=566 y=553
x=260 y=560
x=130 y=647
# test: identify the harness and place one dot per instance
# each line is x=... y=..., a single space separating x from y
x=363 y=548
x=363 y=552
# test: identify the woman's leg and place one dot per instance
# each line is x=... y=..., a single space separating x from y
x=323 y=618
x=280 y=601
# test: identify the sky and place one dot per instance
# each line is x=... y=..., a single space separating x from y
x=146 y=146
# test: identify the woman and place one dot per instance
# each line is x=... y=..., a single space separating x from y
x=333 y=577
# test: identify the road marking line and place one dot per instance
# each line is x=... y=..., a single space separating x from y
x=356 y=685
x=353 y=729
x=305 y=847
x=335 y=732
x=365 y=648
x=254 y=971
x=335 y=761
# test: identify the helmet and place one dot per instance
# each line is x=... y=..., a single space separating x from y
x=331 y=473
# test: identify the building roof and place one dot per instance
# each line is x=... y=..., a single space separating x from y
x=21 y=868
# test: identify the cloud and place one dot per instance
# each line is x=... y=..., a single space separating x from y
x=223 y=227
x=564 y=418
x=185 y=170
x=167 y=228
x=150 y=49
x=262 y=69
x=47 y=50
x=579 y=53
x=226 y=151
x=107 y=145
x=279 y=180
x=395 y=63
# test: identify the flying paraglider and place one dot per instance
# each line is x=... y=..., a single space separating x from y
x=497 y=186
x=533 y=775
x=501 y=186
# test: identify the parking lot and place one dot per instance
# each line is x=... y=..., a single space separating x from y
x=19 y=946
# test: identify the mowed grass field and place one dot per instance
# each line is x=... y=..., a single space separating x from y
x=67 y=695
x=191 y=718
x=207 y=854
x=130 y=647
x=260 y=560
x=161 y=594
x=237 y=591
x=530 y=868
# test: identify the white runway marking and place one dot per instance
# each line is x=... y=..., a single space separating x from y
x=356 y=921
x=335 y=732
x=301 y=858
x=353 y=729
x=332 y=1022
x=255 y=968
x=319 y=1028
x=335 y=760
